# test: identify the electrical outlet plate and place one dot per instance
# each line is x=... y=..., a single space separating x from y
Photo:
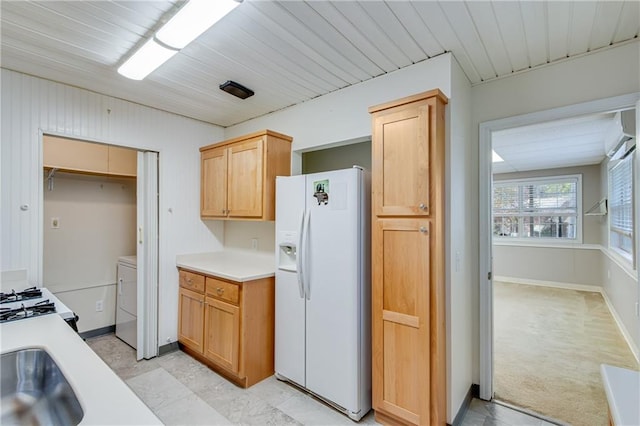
x=254 y=244
x=55 y=223
x=99 y=306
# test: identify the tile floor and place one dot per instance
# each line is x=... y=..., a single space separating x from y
x=182 y=391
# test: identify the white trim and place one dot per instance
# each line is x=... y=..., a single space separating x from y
x=590 y=288
x=485 y=226
x=621 y=327
x=554 y=284
x=549 y=245
x=486 y=264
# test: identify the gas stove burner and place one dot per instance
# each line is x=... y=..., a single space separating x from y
x=41 y=308
x=27 y=294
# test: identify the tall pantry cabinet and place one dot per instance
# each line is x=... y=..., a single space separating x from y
x=408 y=258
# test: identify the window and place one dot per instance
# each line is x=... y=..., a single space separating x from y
x=621 y=207
x=537 y=208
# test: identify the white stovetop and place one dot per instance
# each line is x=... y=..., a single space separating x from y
x=61 y=309
x=235 y=265
x=104 y=397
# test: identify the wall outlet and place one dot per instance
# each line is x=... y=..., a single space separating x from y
x=254 y=244
x=55 y=223
x=99 y=306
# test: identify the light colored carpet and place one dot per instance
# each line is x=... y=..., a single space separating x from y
x=549 y=344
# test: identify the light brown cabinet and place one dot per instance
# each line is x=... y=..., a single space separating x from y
x=77 y=156
x=235 y=323
x=191 y=314
x=408 y=281
x=238 y=176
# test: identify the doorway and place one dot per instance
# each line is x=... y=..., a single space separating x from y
x=99 y=203
x=488 y=249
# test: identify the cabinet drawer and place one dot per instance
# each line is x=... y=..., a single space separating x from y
x=192 y=281
x=222 y=290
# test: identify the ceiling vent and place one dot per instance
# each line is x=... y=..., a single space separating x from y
x=236 y=89
x=621 y=132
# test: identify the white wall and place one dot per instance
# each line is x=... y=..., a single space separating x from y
x=343 y=116
x=238 y=235
x=620 y=281
x=598 y=75
x=462 y=240
x=31 y=105
x=580 y=266
x=96 y=216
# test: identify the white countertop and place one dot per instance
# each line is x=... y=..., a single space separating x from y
x=230 y=264
x=622 y=387
x=104 y=397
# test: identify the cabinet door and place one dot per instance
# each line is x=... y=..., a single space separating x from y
x=400 y=183
x=401 y=282
x=191 y=319
x=222 y=334
x=245 y=179
x=213 y=187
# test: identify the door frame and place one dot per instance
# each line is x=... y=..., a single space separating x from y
x=149 y=335
x=485 y=217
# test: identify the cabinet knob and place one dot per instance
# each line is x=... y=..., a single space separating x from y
x=219 y=290
x=424 y=230
x=422 y=206
x=189 y=280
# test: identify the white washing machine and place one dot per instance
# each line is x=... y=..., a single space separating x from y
x=127 y=300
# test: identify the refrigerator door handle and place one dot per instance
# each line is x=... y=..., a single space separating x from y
x=305 y=264
x=299 y=252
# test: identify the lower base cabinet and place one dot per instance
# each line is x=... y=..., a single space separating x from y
x=228 y=325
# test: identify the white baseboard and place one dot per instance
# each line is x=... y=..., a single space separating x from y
x=556 y=284
x=621 y=327
x=582 y=287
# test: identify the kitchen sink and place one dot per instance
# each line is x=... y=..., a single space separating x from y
x=35 y=392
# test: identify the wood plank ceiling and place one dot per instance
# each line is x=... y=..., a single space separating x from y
x=291 y=51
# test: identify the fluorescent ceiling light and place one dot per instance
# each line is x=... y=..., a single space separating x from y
x=149 y=57
x=495 y=158
x=193 y=19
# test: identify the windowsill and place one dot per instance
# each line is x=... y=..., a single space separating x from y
x=546 y=244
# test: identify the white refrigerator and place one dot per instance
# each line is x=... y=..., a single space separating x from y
x=323 y=287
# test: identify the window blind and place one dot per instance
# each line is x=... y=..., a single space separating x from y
x=537 y=208
x=621 y=205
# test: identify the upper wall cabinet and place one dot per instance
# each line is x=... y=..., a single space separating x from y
x=85 y=157
x=238 y=176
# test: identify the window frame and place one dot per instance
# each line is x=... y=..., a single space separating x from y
x=629 y=258
x=542 y=241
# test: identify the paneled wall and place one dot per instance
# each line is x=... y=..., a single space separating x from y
x=31 y=106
